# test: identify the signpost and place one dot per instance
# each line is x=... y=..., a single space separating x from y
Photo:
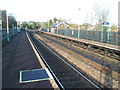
x=103 y=33
x=78 y=33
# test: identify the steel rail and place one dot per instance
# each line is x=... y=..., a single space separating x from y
x=69 y=65
x=56 y=79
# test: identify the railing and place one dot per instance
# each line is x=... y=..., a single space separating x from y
x=91 y=35
x=4 y=37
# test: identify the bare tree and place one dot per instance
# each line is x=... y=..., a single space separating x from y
x=101 y=15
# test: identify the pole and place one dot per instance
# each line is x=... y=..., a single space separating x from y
x=102 y=35
x=13 y=29
x=108 y=35
x=17 y=27
x=0 y=29
x=48 y=26
x=8 y=35
x=1 y=19
x=67 y=32
x=78 y=31
x=79 y=27
x=57 y=31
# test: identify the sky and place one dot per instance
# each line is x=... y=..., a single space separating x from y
x=74 y=11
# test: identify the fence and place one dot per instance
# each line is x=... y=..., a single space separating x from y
x=91 y=35
x=4 y=36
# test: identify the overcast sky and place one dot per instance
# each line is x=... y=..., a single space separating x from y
x=43 y=10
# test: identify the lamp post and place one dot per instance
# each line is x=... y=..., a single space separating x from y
x=79 y=27
x=0 y=31
x=1 y=19
x=8 y=35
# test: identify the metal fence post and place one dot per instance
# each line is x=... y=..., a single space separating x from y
x=108 y=35
x=57 y=31
x=64 y=32
x=102 y=35
x=78 y=33
x=13 y=29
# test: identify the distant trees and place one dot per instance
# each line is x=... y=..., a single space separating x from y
x=4 y=19
x=50 y=22
x=30 y=25
x=54 y=20
x=73 y=26
x=35 y=25
x=24 y=25
x=11 y=20
x=113 y=27
x=86 y=26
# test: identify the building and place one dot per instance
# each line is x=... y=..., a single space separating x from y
x=0 y=19
x=60 y=25
x=4 y=19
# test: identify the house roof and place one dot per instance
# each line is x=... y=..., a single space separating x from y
x=57 y=24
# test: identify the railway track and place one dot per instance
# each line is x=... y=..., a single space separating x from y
x=110 y=63
x=92 y=46
x=65 y=74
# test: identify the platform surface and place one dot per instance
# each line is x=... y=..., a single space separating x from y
x=104 y=45
x=18 y=55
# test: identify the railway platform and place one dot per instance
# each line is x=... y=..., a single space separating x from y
x=18 y=55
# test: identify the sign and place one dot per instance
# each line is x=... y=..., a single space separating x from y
x=105 y=23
